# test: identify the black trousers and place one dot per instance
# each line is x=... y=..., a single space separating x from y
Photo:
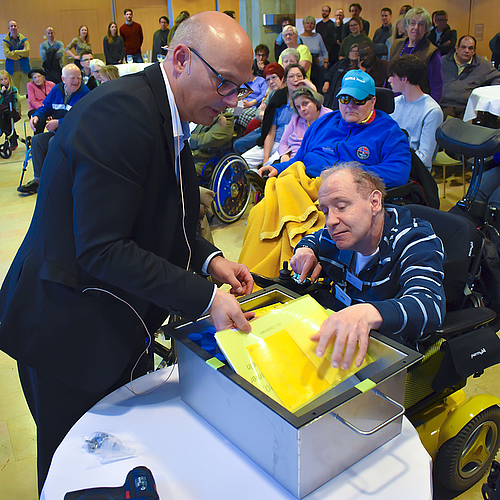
x=56 y=406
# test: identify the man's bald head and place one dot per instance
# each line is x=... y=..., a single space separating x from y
x=215 y=30
x=223 y=52
x=72 y=78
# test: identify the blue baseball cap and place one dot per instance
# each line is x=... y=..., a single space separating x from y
x=357 y=84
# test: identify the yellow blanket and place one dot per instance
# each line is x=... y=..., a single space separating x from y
x=288 y=211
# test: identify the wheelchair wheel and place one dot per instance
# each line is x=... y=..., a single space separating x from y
x=5 y=151
x=231 y=187
x=463 y=460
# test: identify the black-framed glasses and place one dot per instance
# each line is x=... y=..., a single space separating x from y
x=226 y=87
x=346 y=99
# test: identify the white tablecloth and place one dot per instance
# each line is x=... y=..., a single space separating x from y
x=189 y=459
x=125 y=69
x=483 y=99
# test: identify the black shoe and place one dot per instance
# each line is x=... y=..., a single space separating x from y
x=30 y=187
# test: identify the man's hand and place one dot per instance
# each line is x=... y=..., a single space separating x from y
x=303 y=262
x=226 y=312
x=349 y=327
x=232 y=273
x=33 y=122
x=260 y=64
x=326 y=87
x=271 y=171
x=52 y=125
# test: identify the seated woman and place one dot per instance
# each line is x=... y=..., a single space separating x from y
x=308 y=107
x=253 y=101
x=416 y=113
x=260 y=154
x=275 y=79
x=109 y=73
x=290 y=35
x=8 y=94
x=37 y=89
x=288 y=211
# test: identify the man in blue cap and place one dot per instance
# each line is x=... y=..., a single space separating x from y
x=356 y=132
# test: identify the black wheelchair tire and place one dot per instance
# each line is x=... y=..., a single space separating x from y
x=5 y=151
x=231 y=187
x=464 y=459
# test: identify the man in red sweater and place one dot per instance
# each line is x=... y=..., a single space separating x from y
x=131 y=32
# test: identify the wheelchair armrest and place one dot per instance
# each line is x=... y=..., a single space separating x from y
x=465 y=319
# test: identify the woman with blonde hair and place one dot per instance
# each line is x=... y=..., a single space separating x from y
x=79 y=44
x=109 y=73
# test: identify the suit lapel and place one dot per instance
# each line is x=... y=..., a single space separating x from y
x=155 y=78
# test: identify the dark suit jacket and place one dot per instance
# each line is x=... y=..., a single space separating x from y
x=108 y=215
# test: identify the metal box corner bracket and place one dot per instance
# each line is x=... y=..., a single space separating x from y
x=291 y=446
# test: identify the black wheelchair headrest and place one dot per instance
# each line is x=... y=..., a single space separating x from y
x=459 y=137
x=380 y=49
x=385 y=100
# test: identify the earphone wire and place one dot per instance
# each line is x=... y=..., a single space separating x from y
x=150 y=341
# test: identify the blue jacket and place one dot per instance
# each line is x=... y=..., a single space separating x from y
x=25 y=61
x=404 y=282
x=53 y=105
x=380 y=145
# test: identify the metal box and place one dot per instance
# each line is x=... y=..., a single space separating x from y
x=301 y=450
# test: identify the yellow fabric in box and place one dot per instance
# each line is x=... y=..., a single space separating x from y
x=297 y=376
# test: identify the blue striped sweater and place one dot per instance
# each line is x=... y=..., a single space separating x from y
x=404 y=282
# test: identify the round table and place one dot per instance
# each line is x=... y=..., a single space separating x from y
x=483 y=99
x=189 y=459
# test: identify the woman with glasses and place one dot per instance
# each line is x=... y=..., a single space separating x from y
x=356 y=36
x=261 y=59
x=290 y=36
x=418 y=25
x=273 y=129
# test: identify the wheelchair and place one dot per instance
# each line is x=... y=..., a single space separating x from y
x=7 y=115
x=224 y=174
x=462 y=434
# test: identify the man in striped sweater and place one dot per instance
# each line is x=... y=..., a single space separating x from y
x=386 y=267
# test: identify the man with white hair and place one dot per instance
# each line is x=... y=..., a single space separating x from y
x=54 y=108
x=112 y=249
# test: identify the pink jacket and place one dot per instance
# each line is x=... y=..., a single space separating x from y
x=36 y=95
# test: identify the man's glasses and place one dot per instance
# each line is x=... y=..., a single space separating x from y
x=260 y=54
x=346 y=99
x=226 y=87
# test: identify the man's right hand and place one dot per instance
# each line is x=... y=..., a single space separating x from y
x=226 y=312
x=33 y=122
x=269 y=170
x=52 y=125
x=303 y=262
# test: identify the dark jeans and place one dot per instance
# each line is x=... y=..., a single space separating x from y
x=243 y=144
x=39 y=148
